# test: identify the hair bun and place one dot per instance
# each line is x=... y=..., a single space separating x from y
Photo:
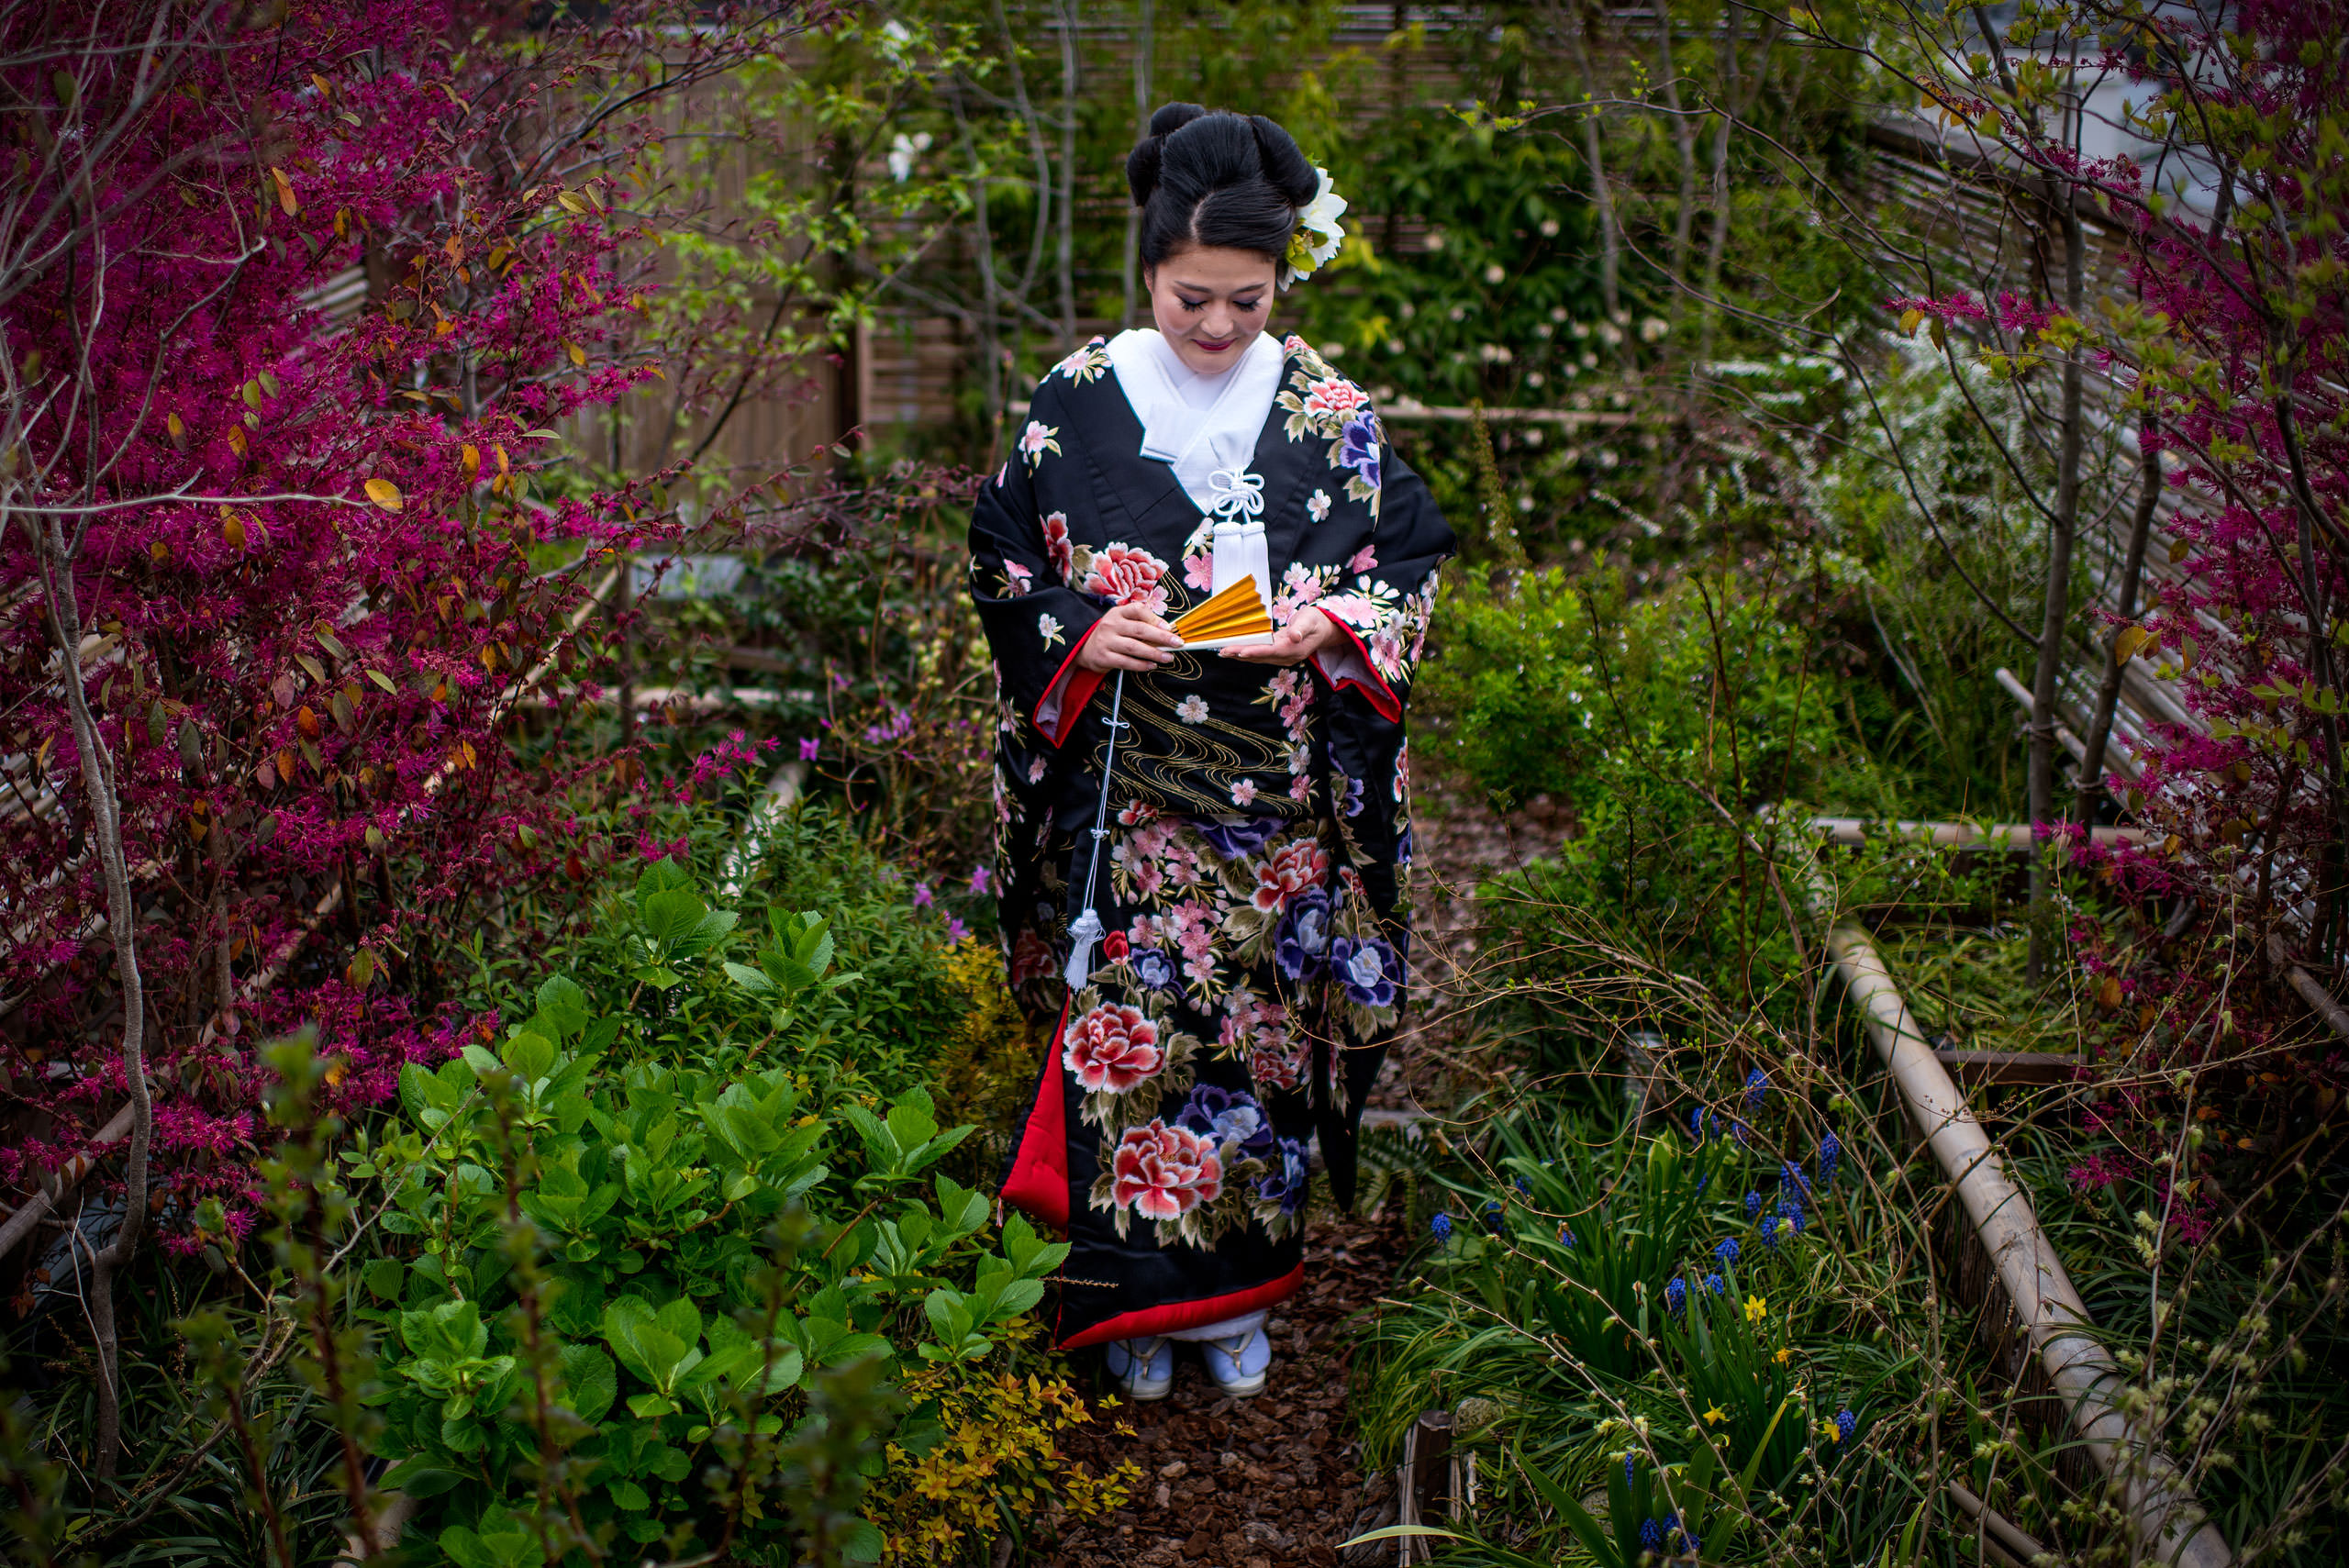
x=1142 y=164
x=1286 y=168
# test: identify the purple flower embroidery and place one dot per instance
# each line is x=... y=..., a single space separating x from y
x=1236 y=841
x=1304 y=944
x=1370 y=971
x=1286 y=1183
x=1153 y=968
x=1230 y=1116
x=1358 y=448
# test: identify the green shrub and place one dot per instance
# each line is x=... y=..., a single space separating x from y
x=668 y=1258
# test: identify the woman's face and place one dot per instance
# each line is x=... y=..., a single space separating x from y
x=1210 y=304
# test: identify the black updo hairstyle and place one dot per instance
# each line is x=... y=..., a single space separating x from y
x=1215 y=179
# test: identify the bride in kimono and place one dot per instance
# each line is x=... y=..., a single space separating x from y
x=1219 y=936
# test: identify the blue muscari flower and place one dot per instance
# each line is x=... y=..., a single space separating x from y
x=1757 y=1089
x=1524 y=1186
x=1493 y=1219
x=1565 y=1235
x=1703 y=1182
x=1713 y=1284
x=1442 y=1225
x=1770 y=1233
x=1753 y=1205
x=1672 y=1525
x=1676 y=1296
x=1830 y=1154
x=1630 y=1467
x=1845 y=1423
x=1792 y=1181
x=1728 y=1251
x=1651 y=1535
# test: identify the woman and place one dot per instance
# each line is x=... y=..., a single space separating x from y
x=1247 y=892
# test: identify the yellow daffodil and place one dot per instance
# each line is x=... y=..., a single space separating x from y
x=1715 y=1414
x=1786 y=1354
x=1756 y=1309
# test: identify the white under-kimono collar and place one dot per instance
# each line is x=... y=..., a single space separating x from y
x=1199 y=442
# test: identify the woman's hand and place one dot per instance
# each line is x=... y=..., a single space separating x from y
x=1307 y=634
x=1129 y=637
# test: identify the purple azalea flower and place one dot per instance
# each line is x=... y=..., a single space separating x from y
x=922 y=896
x=1303 y=945
x=980 y=877
x=1370 y=970
x=1358 y=448
x=1236 y=840
x=955 y=929
x=808 y=750
x=1153 y=968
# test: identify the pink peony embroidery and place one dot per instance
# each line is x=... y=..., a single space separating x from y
x=1334 y=398
x=1129 y=576
x=1058 y=549
x=1163 y=1172
x=1111 y=1048
x=1291 y=871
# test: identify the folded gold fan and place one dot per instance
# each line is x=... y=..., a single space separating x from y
x=1236 y=614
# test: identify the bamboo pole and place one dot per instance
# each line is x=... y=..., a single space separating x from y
x=2048 y=1308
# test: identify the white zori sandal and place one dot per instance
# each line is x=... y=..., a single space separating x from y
x=1142 y=1369
x=1239 y=1363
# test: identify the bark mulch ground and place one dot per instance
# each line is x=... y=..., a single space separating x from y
x=1261 y=1483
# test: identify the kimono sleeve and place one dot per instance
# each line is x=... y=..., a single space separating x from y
x=1384 y=608
x=1021 y=558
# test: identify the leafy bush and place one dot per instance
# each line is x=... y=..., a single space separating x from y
x=641 y=1252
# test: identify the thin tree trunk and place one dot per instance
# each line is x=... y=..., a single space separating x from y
x=2132 y=567
x=1717 y=246
x=2066 y=220
x=1593 y=149
x=1143 y=37
x=56 y=564
x=1064 y=262
x=1683 y=137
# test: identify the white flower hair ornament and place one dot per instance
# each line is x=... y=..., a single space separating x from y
x=1318 y=233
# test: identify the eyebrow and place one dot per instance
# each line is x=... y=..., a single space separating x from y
x=1202 y=288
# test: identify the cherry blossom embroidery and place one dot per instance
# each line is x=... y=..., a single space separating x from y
x=1019 y=576
x=1050 y=629
x=1192 y=709
x=1037 y=439
x=1244 y=793
x=1317 y=507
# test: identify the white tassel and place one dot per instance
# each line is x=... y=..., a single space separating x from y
x=1084 y=931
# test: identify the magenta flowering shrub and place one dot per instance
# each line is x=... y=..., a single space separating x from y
x=2232 y=357
x=324 y=559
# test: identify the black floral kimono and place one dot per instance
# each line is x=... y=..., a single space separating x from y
x=1252 y=884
